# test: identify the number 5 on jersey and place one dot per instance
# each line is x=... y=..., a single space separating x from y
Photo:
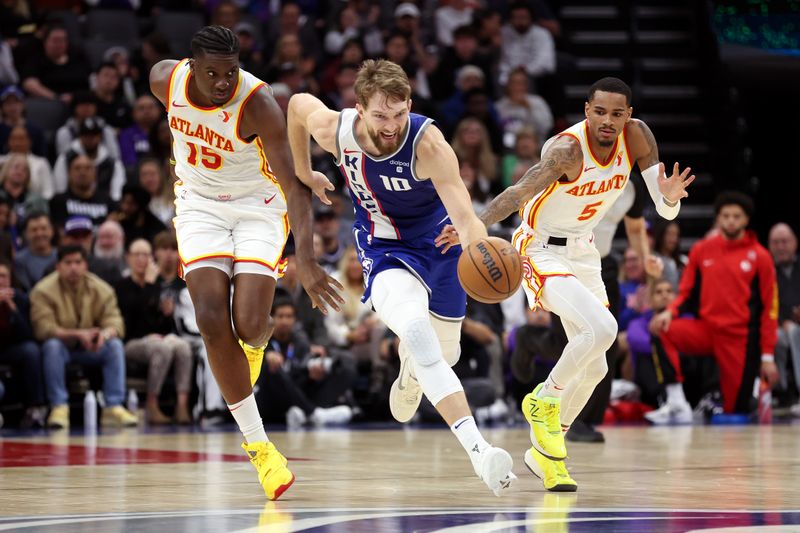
x=209 y=158
x=589 y=210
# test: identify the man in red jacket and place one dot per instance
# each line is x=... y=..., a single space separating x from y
x=729 y=286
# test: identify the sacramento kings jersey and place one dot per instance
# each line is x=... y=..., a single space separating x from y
x=390 y=200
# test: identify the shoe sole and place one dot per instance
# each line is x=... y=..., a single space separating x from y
x=533 y=466
x=283 y=488
x=498 y=469
x=397 y=408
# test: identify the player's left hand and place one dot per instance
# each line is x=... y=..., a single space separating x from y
x=674 y=187
x=653 y=266
x=447 y=238
x=321 y=288
x=320 y=185
x=769 y=373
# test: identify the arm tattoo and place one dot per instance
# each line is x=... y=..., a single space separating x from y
x=651 y=158
x=554 y=164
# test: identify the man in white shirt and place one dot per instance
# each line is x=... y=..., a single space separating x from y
x=526 y=45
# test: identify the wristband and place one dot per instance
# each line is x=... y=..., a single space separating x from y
x=767 y=358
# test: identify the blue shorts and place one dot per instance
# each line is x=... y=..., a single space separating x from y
x=437 y=272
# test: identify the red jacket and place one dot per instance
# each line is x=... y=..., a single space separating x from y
x=731 y=285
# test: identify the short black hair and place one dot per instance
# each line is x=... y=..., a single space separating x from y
x=70 y=249
x=467 y=30
x=33 y=215
x=734 y=198
x=283 y=302
x=107 y=64
x=217 y=40
x=611 y=85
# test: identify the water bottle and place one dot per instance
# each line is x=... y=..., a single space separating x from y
x=90 y=411
x=133 y=401
x=764 y=403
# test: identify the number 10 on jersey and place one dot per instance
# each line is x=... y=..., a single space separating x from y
x=395 y=184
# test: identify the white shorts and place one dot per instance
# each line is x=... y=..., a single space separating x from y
x=236 y=236
x=579 y=258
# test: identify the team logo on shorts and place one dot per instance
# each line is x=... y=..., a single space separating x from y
x=527 y=269
x=366 y=266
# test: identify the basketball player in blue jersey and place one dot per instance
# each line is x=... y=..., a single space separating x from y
x=236 y=195
x=405 y=185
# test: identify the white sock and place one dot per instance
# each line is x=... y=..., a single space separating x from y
x=675 y=394
x=249 y=420
x=550 y=389
x=467 y=433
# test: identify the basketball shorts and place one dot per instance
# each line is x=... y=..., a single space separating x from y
x=436 y=271
x=540 y=260
x=236 y=236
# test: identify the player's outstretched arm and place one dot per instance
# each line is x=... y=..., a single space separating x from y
x=263 y=117
x=665 y=192
x=309 y=116
x=437 y=161
x=562 y=158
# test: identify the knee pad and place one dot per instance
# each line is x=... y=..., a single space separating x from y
x=419 y=339
x=449 y=335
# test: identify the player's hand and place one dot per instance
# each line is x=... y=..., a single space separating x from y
x=674 y=188
x=321 y=288
x=274 y=361
x=320 y=185
x=653 y=266
x=447 y=238
x=660 y=322
x=769 y=373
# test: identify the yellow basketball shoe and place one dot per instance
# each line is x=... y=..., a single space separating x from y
x=255 y=357
x=543 y=414
x=553 y=474
x=271 y=467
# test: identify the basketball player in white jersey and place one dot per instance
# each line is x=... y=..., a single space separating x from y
x=583 y=170
x=236 y=197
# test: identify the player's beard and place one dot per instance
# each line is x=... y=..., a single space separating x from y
x=383 y=146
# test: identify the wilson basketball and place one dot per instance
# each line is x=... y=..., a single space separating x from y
x=490 y=270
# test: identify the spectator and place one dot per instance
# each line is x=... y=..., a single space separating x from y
x=527 y=147
x=729 y=286
x=135 y=217
x=649 y=360
x=18 y=349
x=111 y=104
x=227 y=14
x=75 y=315
x=467 y=79
x=488 y=24
x=40 y=180
x=343 y=93
x=110 y=174
x=251 y=56
x=469 y=175
x=120 y=57
x=161 y=141
x=15 y=180
x=783 y=248
x=153 y=180
x=9 y=238
x=478 y=105
x=17 y=18
x=84 y=105
x=463 y=52
x=165 y=247
x=12 y=112
x=289 y=52
x=55 y=72
x=8 y=76
x=352 y=53
x=520 y=109
x=291 y=21
x=155 y=48
x=327 y=226
x=109 y=247
x=666 y=246
x=294 y=385
x=134 y=141
x=82 y=197
x=79 y=231
x=149 y=336
x=632 y=289
x=451 y=15
x=347 y=28
x=309 y=318
x=407 y=20
x=526 y=45
x=39 y=255
x=471 y=144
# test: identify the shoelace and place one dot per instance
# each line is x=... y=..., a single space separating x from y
x=551 y=418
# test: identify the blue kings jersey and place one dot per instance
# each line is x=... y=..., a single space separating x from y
x=390 y=201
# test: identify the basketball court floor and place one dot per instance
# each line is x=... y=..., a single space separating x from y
x=671 y=479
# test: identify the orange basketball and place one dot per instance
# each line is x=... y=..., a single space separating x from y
x=490 y=270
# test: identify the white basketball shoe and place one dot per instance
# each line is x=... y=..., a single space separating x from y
x=493 y=465
x=405 y=394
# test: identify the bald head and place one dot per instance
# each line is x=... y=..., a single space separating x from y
x=782 y=243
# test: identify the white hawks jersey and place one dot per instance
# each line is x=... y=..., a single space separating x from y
x=211 y=159
x=574 y=208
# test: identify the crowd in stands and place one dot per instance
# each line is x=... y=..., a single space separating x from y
x=90 y=292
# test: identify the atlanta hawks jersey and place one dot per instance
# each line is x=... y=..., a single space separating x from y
x=211 y=159
x=574 y=208
x=390 y=201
